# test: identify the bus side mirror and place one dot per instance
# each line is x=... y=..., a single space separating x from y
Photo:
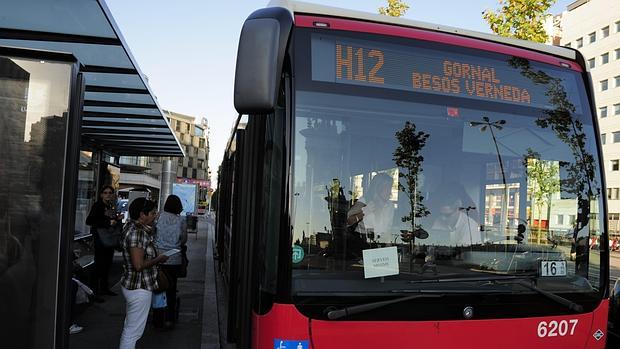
x=262 y=47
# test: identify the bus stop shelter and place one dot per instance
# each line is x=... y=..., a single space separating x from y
x=72 y=100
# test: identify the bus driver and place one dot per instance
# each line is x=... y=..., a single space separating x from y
x=454 y=221
x=374 y=213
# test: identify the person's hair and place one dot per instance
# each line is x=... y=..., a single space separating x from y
x=173 y=204
x=376 y=183
x=453 y=194
x=107 y=186
x=140 y=205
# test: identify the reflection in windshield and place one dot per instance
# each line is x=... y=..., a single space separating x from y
x=580 y=180
x=431 y=187
x=408 y=158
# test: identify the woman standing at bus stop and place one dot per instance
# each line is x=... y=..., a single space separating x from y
x=171 y=234
x=140 y=268
x=101 y=217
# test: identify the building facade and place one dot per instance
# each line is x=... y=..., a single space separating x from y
x=593 y=28
x=194 y=139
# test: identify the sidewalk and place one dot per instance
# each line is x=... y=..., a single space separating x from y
x=103 y=322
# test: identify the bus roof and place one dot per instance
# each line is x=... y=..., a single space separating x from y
x=298 y=7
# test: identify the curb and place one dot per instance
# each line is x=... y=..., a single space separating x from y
x=210 y=317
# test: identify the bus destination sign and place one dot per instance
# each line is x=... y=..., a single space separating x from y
x=422 y=69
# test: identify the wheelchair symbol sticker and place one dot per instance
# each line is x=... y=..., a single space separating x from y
x=288 y=344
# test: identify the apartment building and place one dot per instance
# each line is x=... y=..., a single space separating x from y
x=194 y=139
x=593 y=27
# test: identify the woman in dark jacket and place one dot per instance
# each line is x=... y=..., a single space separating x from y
x=103 y=215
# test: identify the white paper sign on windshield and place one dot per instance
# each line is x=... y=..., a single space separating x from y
x=380 y=262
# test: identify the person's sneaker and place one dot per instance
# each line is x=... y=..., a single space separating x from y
x=75 y=328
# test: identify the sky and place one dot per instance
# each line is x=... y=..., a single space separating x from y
x=187 y=48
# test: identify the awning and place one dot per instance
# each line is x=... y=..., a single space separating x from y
x=120 y=113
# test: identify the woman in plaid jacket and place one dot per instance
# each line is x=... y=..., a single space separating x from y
x=139 y=269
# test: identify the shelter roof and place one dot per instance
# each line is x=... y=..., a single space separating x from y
x=120 y=113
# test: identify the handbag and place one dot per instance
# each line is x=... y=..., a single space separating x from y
x=110 y=236
x=163 y=281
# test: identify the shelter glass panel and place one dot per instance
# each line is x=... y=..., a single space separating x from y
x=34 y=104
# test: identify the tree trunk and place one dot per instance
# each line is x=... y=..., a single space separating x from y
x=539 y=224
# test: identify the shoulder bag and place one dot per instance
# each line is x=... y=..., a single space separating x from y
x=110 y=236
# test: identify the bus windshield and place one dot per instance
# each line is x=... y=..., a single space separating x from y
x=417 y=161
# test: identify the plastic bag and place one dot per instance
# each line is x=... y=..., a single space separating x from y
x=159 y=300
x=83 y=292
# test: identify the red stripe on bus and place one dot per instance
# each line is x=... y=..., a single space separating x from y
x=427 y=35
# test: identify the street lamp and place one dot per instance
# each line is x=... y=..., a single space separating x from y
x=487 y=124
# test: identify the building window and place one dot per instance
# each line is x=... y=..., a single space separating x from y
x=177 y=125
x=616 y=137
x=617 y=109
x=602 y=112
x=603 y=138
x=190 y=162
x=592 y=37
x=605 y=32
x=605 y=58
x=617 y=79
x=591 y=63
x=617 y=26
x=604 y=85
x=579 y=42
x=201 y=142
x=184 y=172
x=618 y=53
x=615 y=165
x=560 y=219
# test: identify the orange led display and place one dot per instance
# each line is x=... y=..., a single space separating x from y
x=366 y=65
x=364 y=60
x=471 y=79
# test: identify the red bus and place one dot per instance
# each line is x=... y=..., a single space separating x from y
x=385 y=181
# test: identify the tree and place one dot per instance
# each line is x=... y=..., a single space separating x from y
x=545 y=176
x=407 y=157
x=520 y=19
x=395 y=8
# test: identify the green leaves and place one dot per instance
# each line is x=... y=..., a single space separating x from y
x=407 y=157
x=395 y=8
x=520 y=19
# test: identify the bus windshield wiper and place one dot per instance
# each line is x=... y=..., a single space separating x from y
x=361 y=308
x=522 y=280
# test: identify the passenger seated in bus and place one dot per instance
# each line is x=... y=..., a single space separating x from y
x=373 y=214
x=453 y=223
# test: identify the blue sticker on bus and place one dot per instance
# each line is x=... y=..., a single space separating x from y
x=288 y=344
x=298 y=254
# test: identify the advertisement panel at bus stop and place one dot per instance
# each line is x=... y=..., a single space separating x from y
x=188 y=193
